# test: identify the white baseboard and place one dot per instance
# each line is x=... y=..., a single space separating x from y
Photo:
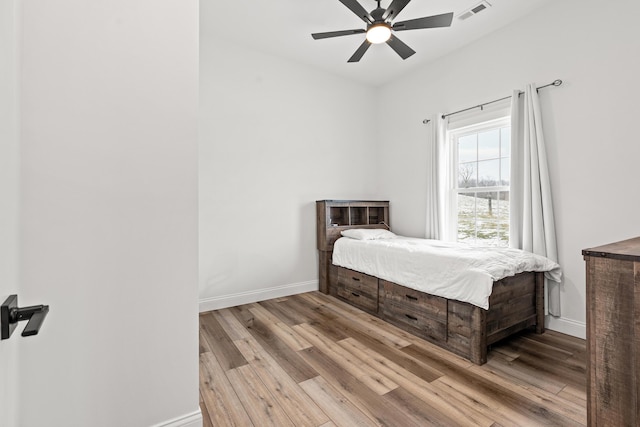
x=566 y=326
x=193 y=419
x=216 y=303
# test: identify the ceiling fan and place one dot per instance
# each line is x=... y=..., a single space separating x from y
x=380 y=27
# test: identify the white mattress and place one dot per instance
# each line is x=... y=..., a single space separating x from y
x=450 y=270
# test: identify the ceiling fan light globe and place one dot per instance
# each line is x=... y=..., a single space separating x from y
x=378 y=33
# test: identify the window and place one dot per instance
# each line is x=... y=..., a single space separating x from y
x=479 y=194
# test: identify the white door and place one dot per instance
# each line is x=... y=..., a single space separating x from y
x=103 y=175
x=9 y=200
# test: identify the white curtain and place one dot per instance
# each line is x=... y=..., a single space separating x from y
x=532 y=226
x=435 y=152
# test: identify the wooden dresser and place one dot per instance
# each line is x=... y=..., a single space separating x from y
x=613 y=334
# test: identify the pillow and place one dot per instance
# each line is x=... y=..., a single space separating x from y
x=368 y=233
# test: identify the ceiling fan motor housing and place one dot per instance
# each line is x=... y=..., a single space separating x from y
x=376 y=14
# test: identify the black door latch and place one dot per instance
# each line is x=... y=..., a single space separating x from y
x=10 y=315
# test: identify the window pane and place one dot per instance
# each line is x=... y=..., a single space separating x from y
x=467 y=175
x=488 y=173
x=505 y=142
x=467 y=148
x=466 y=217
x=505 y=164
x=489 y=144
x=493 y=219
x=483 y=218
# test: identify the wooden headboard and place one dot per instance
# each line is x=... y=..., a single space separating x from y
x=333 y=216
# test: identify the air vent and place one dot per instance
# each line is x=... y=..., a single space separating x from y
x=474 y=10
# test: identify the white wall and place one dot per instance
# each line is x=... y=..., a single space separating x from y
x=9 y=185
x=589 y=123
x=275 y=136
x=109 y=212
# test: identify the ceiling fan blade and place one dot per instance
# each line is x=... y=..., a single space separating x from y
x=318 y=36
x=401 y=49
x=435 y=21
x=360 y=52
x=394 y=9
x=357 y=8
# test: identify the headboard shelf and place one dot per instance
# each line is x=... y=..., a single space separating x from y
x=333 y=216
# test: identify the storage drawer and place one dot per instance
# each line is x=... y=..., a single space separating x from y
x=424 y=315
x=359 y=281
x=358 y=288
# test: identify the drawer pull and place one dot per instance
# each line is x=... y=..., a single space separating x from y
x=356 y=279
x=411 y=317
x=354 y=294
x=411 y=297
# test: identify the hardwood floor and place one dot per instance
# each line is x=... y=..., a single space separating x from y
x=312 y=360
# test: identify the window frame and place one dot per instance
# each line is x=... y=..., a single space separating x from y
x=453 y=190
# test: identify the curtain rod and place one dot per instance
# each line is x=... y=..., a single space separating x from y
x=557 y=82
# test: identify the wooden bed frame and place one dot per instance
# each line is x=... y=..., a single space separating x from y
x=516 y=303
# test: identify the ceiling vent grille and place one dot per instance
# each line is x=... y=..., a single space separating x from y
x=483 y=5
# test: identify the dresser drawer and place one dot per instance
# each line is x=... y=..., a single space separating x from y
x=424 y=315
x=358 y=288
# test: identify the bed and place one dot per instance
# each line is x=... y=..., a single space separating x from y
x=464 y=310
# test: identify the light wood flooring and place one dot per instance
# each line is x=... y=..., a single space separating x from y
x=312 y=360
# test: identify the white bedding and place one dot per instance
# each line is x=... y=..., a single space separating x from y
x=450 y=270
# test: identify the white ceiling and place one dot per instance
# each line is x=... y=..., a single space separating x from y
x=284 y=27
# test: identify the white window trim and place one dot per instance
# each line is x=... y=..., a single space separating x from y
x=450 y=228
